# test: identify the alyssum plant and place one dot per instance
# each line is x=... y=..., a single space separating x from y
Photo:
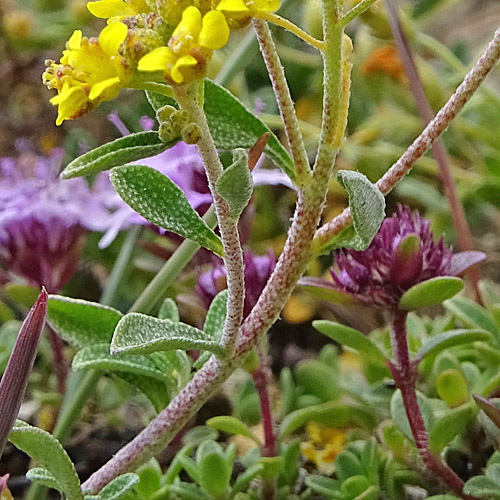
x=163 y=48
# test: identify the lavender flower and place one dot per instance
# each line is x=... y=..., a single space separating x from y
x=402 y=254
x=258 y=270
x=43 y=219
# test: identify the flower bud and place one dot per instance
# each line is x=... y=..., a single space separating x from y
x=407 y=260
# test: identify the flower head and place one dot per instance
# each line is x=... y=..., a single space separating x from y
x=258 y=270
x=402 y=254
x=90 y=71
x=190 y=46
x=43 y=219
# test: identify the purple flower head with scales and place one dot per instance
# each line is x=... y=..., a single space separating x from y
x=258 y=270
x=402 y=254
x=43 y=219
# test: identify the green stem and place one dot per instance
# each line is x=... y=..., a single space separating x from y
x=356 y=11
x=167 y=274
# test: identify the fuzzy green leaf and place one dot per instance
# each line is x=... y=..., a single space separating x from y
x=348 y=337
x=44 y=449
x=116 y=153
x=98 y=357
x=367 y=206
x=235 y=184
x=398 y=413
x=216 y=315
x=157 y=392
x=82 y=323
x=139 y=333
x=43 y=476
x=431 y=292
x=451 y=338
x=449 y=426
x=161 y=202
x=231 y=425
x=119 y=487
x=168 y=310
x=482 y=487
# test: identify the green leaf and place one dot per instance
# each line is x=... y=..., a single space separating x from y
x=161 y=202
x=43 y=476
x=98 y=357
x=215 y=474
x=447 y=427
x=231 y=425
x=117 y=488
x=139 y=333
x=82 y=323
x=235 y=184
x=114 y=154
x=168 y=310
x=332 y=413
x=431 y=292
x=49 y=454
x=233 y=126
x=398 y=413
x=452 y=388
x=244 y=479
x=216 y=315
x=473 y=315
x=324 y=486
x=489 y=408
x=189 y=491
x=367 y=206
x=451 y=338
x=481 y=486
x=22 y=294
x=153 y=389
x=348 y=337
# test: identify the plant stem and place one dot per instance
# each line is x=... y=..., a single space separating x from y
x=404 y=372
x=290 y=266
x=170 y=270
x=433 y=130
x=284 y=99
x=356 y=11
x=228 y=226
x=464 y=236
x=59 y=363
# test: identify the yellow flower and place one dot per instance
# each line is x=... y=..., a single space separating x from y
x=240 y=12
x=325 y=444
x=117 y=9
x=90 y=71
x=190 y=46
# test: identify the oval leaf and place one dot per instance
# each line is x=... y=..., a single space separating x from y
x=231 y=425
x=118 y=488
x=139 y=333
x=82 y=323
x=113 y=154
x=49 y=454
x=449 y=426
x=98 y=357
x=367 y=206
x=441 y=341
x=349 y=337
x=168 y=310
x=431 y=292
x=161 y=202
x=216 y=315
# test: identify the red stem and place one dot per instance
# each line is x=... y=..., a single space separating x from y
x=404 y=372
x=261 y=379
x=59 y=363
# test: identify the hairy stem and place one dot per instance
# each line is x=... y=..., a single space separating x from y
x=356 y=11
x=405 y=375
x=464 y=236
x=435 y=128
x=228 y=226
x=284 y=99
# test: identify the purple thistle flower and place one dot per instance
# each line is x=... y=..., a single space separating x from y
x=43 y=219
x=258 y=270
x=402 y=254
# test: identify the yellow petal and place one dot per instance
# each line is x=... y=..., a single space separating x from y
x=215 y=31
x=105 y=90
x=182 y=62
x=158 y=59
x=233 y=6
x=111 y=8
x=75 y=42
x=111 y=37
x=267 y=5
x=71 y=103
x=190 y=24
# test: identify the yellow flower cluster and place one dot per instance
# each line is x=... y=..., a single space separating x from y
x=174 y=42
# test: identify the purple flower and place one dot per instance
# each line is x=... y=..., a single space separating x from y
x=43 y=219
x=258 y=270
x=402 y=254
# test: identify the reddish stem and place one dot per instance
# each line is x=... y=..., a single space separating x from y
x=261 y=380
x=404 y=372
x=59 y=363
